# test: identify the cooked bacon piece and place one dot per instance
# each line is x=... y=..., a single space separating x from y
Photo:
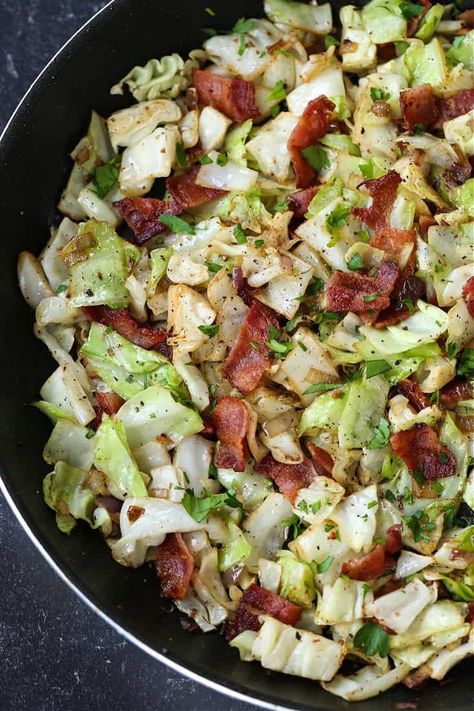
x=233 y=97
x=467 y=18
x=312 y=125
x=386 y=52
x=231 y=421
x=175 y=566
x=470 y=613
x=393 y=240
x=359 y=293
x=421 y=450
x=298 y=202
x=271 y=604
x=143 y=215
x=322 y=460
x=249 y=357
x=124 y=323
x=454 y=392
x=108 y=403
x=186 y=194
x=383 y=191
x=289 y=478
x=425 y=222
x=244 y=619
x=245 y=291
x=412 y=392
x=455 y=106
x=368 y=567
x=468 y=294
x=408 y=287
x=394 y=539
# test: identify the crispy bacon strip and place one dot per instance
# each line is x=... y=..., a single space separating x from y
x=108 y=403
x=408 y=287
x=244 y=619
x=245 y=291
x=313 y=125
x=124 y=323
x=383 y=191
x=249 y=357
x=468 y=295
x=322 y=460
x=254 y=602
x=289 y=478
x=467 y=17
x=142 y=215
x=394 y=539
x=412 y=392
x=271 y=604
x=368 y=567
x=454 y=106
x=425 y=222
x=231 y=422
x=359 y=293
x=454 y=392
x=418 y=106
x=175 y=566
x=393 y=240
x=299 y=202
x=233 y=97
x=421 y=450
x=186 y=194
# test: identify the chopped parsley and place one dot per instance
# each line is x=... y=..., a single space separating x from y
x=420 y=525
x=214 y=267
x=378 y=94
x=371 y=297
x=372 y=639
x=466 y=362
x=259 y=243
x=177 y=225
x=410 y=10
x=181 y=155
x=294 y=525
x=451 y=349
x=222 y=159
x=321 y=388
x=418 y=477
x=381 y=435
x=335 y=220
x=355 y=262
x=61 y=289
x=325 y=564
x=281 y=206
x=209 y=330
x=205 y=160
x=330 y=41
x=200 y=508
x=106 y=176
x=410 y=305
x=401 y=47
x=239 y=235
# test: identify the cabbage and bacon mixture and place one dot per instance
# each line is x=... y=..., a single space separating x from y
x=266 y=359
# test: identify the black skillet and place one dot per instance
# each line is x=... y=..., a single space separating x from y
x=33 y=169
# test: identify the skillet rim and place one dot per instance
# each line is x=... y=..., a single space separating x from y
x=230 y=689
